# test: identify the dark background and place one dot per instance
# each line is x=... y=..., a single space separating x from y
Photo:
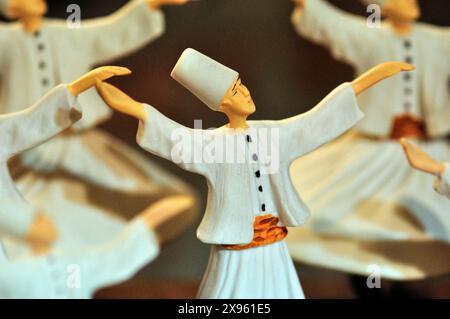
x=286 y=75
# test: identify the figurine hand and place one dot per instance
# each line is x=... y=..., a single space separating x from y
x=392 y=68
x=119 y=101
x=379 y=73
x=89 y=80
x=420 y=160
x=155 y=4
x=42 y=232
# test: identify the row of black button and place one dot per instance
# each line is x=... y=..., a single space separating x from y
x=407 y=78
x=42 y=65
x=257 y=173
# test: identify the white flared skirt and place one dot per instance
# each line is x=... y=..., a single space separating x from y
x=361 y=188
x=265 y=272
x=89 y=184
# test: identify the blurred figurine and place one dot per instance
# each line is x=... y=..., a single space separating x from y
x=251 y=198
x=62 y=175
x=47 y=273
x=421 y=161
x=360 y=186
x=80 y=273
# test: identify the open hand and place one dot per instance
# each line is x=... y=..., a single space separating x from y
x=393 y=68
x=90 y=79
x=119 y=101
x=379 y=73
x=420 y=160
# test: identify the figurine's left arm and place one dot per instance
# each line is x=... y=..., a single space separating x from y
x=334 y=115
x=50 y=115
x=123 y=32
x=53 y=113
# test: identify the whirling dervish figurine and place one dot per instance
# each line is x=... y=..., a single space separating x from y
x=85 y=180
x=360 y=188
x=251 y=199
x=29 y=266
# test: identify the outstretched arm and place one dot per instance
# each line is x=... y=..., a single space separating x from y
x=157 y=134
x=379 y=73
x=346 y=35
x=90 y=79
x=120 y=101
x=101 y=265
x=420 y=160
x=138 y=244
x=335 y=114
x=133 y=26
x=53 y=113
x=20 y=131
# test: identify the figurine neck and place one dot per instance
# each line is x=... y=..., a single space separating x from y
x=31 y=24
x=401 y=27
x=237 y=121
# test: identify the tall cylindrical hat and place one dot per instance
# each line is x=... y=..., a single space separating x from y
x=204 y=77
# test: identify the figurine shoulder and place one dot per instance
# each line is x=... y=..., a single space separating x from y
x=56 y=25
x=263 y=124
x=7 y=27
x=430 y=31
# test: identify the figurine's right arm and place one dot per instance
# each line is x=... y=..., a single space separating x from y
x=20 y=131
x=346 y=35
x=168 y=139
x=158 y=134
x=53 y=113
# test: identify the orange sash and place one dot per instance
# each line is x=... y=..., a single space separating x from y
x=408 y=126
x=266 y=231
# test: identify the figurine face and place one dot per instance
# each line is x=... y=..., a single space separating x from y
x=404 y=10
x=27 y=8
x=238 y=100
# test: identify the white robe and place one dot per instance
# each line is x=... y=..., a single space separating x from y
x=363 y=188
x=77 y=274
x=229 y=215
x=90 y=181
x=248 y=177
x=424 y=92
x=358 y=186
x=69 y=273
